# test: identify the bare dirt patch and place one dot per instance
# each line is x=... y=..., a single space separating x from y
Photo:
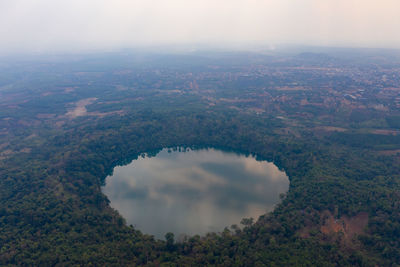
x=348 y=226
x=80 y=108
x=344 y=229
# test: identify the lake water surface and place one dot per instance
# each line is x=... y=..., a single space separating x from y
x=193 y=192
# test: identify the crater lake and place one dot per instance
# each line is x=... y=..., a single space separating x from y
x=190 y=192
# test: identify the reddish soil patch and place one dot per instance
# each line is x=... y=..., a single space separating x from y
x=343 y=230
x=332 y=226
x=348 y=226
x=356 y=224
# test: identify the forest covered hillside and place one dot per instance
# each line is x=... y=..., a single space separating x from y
x=330 y=119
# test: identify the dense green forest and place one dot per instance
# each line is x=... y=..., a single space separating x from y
x=342 y=207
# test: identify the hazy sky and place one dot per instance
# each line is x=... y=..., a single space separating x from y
x=57 y=25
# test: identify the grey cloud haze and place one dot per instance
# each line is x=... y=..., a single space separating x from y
x=72 y=25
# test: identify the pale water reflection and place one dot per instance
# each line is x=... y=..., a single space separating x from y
x=193 y=192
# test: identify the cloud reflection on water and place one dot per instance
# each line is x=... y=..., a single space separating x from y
x=194 y=192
